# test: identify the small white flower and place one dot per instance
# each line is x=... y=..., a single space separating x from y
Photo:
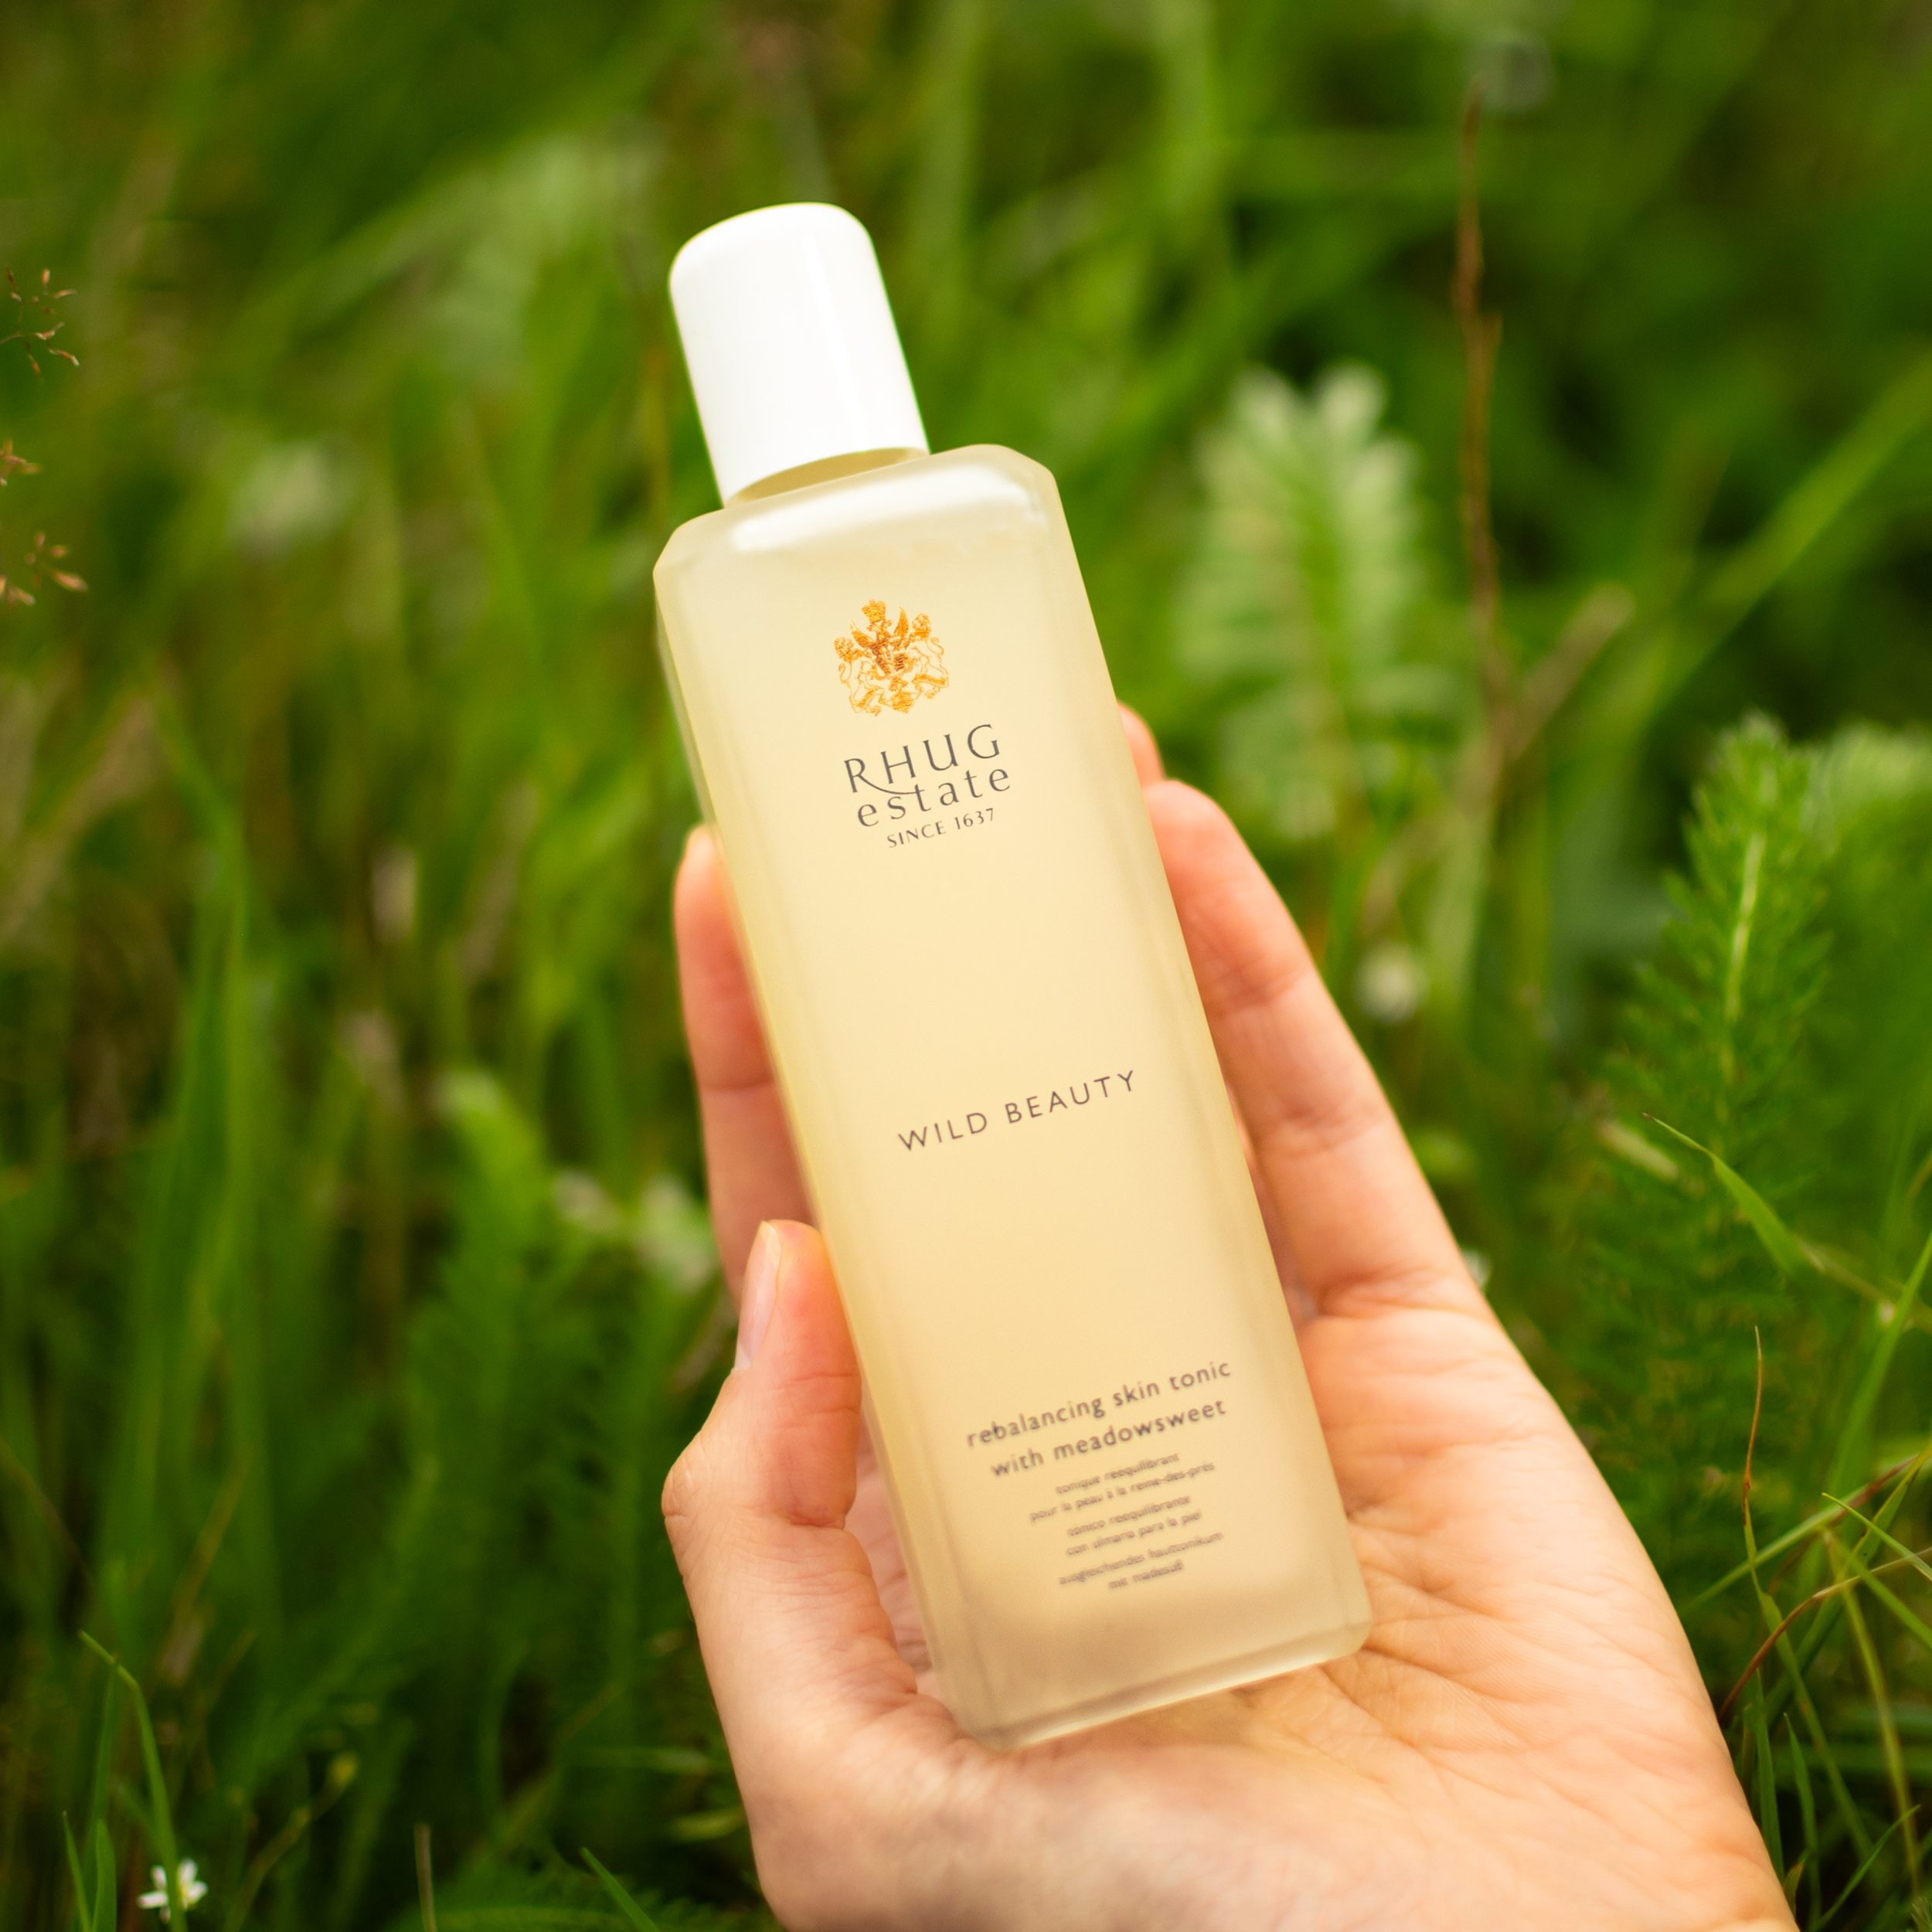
x=192 y=1890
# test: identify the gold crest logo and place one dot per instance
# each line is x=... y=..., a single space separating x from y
x=888 y=665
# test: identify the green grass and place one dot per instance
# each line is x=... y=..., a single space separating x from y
x=354 y=1298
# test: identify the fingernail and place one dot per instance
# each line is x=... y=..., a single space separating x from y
x=760 y=1294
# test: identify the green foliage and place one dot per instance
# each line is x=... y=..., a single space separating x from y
x=1740 y=1163
x=1309 y=581
x=1346 y=696
x=1681 y=1277
x=353 y=1300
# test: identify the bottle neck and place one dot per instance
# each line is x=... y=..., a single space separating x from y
x=827 y=469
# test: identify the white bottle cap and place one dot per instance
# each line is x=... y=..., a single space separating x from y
x=791 y=344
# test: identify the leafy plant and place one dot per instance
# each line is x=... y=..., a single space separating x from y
x=1680 y=1278
x=1345 y=694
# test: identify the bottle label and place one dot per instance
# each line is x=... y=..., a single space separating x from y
x=931 y=790
x=1099 y=1477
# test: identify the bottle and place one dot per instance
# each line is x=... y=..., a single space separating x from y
x=1081 y=1379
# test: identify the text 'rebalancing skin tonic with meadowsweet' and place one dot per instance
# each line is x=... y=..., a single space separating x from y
x=1083 y=1384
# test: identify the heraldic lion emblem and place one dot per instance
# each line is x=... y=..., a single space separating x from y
x=890 y=664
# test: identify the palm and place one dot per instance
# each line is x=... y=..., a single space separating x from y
x=1523 y=1739
x=1507 y=1596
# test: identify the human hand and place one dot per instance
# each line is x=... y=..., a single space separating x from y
x=1523 y=1741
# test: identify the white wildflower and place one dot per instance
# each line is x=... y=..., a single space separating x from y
x=192 y=1890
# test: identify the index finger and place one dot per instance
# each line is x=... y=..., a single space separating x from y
x=748 y=1153
x=1363 y=1226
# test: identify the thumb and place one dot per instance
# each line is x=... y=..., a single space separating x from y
x=798 y=1648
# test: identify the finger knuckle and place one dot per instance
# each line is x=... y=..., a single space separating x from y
x=682 y=1501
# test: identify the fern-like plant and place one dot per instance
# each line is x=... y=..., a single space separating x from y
x=1345 y=691
x=1714 y=1046
x=1750 y=1250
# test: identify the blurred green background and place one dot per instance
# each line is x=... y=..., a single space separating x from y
x=355 y=1291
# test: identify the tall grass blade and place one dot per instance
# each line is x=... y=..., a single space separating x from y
x=1808 y=1816
x=161 y=1812
x=1889 y=1742
x=1818 y=1519
x=1915 y=1558
x=1855 y=1438
x=633 y=1913
x=1780 y=1243
x=425 y=1879
x=1858 y=1878
x=1768 y=1818
x=84 y=1903
x=104 y=1893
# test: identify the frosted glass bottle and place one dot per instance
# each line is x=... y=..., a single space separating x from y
x=1082 y=1385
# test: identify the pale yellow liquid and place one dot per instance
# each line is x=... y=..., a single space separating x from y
x=1021 y=951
